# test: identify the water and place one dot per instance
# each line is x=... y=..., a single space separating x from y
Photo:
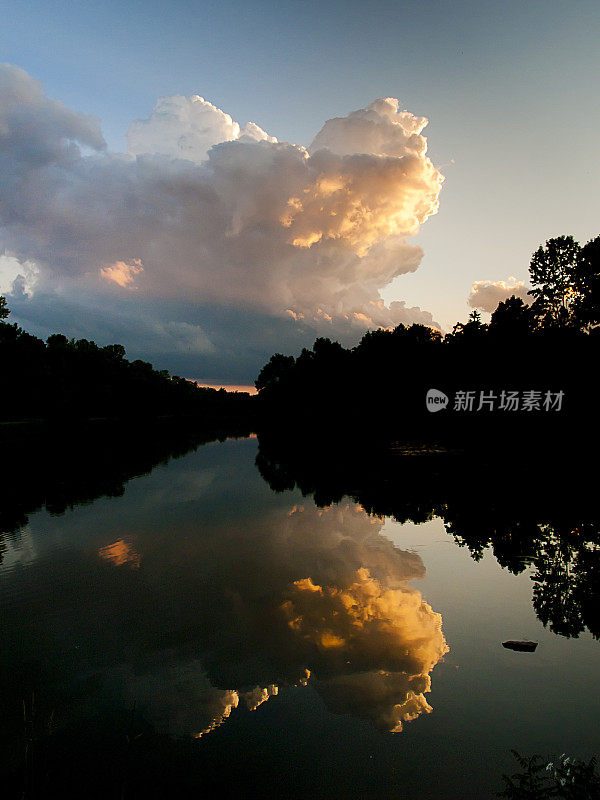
x=204 y=635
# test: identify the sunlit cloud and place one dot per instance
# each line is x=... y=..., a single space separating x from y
x=225 y=702
x=121 y=273
x=366 y=623
x=290 y=596
x=215 y=212
x=389 y=699
x=175 y=695
x=187 y=127
x=361 y=200
x=257 y=696
x=321 y=596
x=487 y=294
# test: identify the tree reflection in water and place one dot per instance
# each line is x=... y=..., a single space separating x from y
x=536 y=509
x=200 y=595
x=216 y=615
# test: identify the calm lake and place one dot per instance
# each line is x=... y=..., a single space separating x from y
x=203 y=635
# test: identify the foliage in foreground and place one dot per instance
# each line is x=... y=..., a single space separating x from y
x=564 y=777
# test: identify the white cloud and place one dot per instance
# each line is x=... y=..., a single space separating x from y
x=17 y=277
x=487 y=294
x=218 y=214
x=187 y=127
x=381 y=129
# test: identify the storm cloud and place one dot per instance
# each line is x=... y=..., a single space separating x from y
x=203 y=214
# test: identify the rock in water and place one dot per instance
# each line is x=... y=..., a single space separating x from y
x=526 y=647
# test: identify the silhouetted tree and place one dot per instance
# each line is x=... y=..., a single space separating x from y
x=277 y=367
x=57 y=341
x=325 y=349
x=77 y=379
x=512 y=319
x=586 y=306
x=531 y=530
x=472 y=330
x=117 y=352
x=552 y=273
x=555 y=590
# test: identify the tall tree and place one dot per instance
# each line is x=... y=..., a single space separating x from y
x=512 y=318
x=473 y=329
x=276 y=368
x=586 y=306
x=553 y=276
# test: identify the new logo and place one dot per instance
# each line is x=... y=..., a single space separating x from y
x=436 y=400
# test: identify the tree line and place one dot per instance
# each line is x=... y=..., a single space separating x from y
x=71 y=379
x=550 y=344
x=535 y=510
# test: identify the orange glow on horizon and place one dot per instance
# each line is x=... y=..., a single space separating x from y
x=229 y=387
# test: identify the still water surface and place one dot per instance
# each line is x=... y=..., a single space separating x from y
x=261 y=646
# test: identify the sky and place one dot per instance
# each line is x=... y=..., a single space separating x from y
x=204 y=244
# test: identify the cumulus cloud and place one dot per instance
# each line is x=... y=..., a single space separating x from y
x=340 y=614
x=310 y=596
x=222 y=706
x=177 y=696
x=187 y=127
x=382 y=128
x=257 y=696
x=363 y=623
x=388 y=699
x=270 y=595
x=487 y=294
x=17 y=277
x=36 y=131
x=203 y=210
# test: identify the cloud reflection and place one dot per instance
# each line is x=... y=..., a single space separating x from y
x=234 y=604
x=372 y=641
x=119 y=553
x=325 y=598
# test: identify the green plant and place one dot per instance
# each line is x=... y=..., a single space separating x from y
x=564 y=777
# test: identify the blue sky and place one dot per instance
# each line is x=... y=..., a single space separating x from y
x=510 y=89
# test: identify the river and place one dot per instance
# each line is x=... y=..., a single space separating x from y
x=204 y=635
